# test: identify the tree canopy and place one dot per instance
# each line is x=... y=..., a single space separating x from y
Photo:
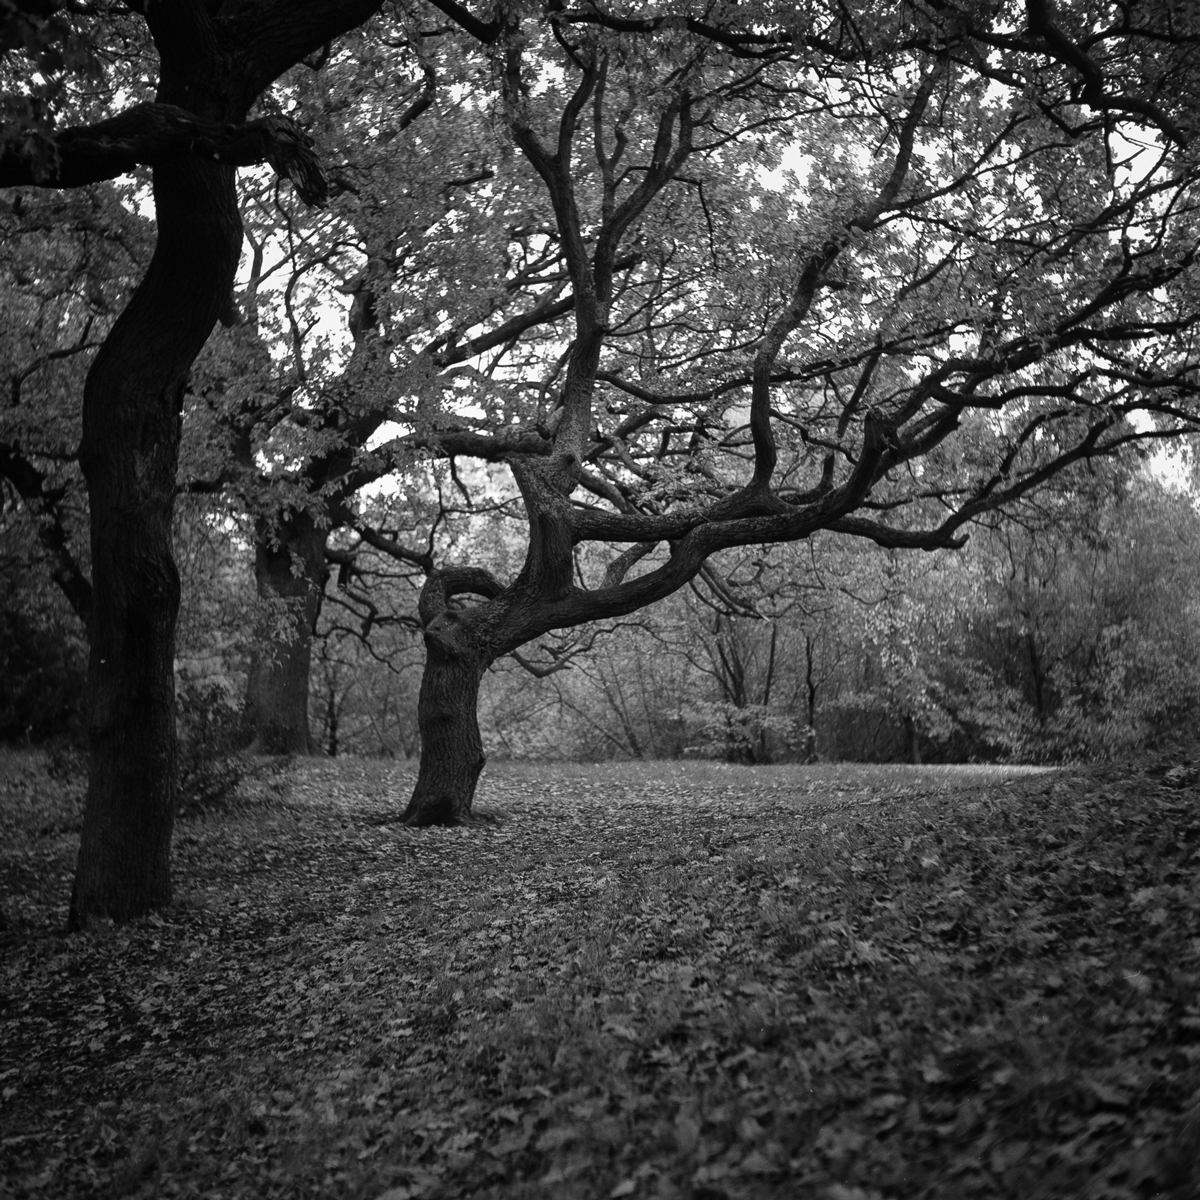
x=681 y=280
x=892 y=270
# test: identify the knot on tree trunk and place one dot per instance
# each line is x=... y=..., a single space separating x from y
x=290 y=152
x=446 y=582
x=149 y=134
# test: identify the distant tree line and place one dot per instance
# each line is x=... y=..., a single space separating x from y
x=1066 y=632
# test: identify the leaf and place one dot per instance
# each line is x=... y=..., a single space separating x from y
x=905 y=1063
x=621 y=1030
x=758 y=1163
x=557 y=1137
x=509 y=1143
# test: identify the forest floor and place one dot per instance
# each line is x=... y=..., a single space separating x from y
x=672 y=980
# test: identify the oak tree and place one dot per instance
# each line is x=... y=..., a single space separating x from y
x=980 y=270
x=215 y=60
x=426 y=233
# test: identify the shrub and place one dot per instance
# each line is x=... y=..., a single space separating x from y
x=43 y=675
x=212 y=761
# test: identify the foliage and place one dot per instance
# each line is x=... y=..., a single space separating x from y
x=45 y=54
x=739 y=733
x=68 y=266
x=629 y=697
x=629 y=981
x=364 y=691
x=216 y=605
x=1086 y=621
x=211 y=743
x=210 y=659
x=1068 y=631
x=43 y=666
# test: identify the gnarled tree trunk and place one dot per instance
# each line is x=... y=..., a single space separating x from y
x=214 y=61
x=458 y=650
x=131 y=426
x=289 y=565
x=451 y=749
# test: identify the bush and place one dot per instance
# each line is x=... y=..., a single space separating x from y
x=43 y=677
x=212 y=758
x=747 y=733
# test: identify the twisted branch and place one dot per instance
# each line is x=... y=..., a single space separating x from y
x=148 y=134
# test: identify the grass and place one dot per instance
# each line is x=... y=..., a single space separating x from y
x=707 y=773
x=675 y=980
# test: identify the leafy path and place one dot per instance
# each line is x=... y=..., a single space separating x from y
x=637 y=980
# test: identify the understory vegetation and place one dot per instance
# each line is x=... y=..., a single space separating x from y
x=670 y=980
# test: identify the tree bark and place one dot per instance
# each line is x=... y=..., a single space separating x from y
x=155 y=133
x=132 y=409
x=452 y=754
x=289 y=566
x=212 y=68
x=1038 y=674
x=913 y=737
x=810 y=691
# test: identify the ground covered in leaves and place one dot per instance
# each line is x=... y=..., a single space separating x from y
x=641 y=980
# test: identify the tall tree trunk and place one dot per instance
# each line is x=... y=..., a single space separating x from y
x=451 y=749
x=331 y=713
x=132 y=407
x=913 y=735
x=289 y=566
x=1038 y=674
x=810 y=691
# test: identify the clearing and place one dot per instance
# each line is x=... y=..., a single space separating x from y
x=641 y=979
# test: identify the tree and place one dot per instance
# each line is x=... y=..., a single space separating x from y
x=214 y=61
x=69 y=264
x=42 y=655
x=984 y=268
x=740 y=627
x=1092 y=627
x=629 y=696
x=289 y=412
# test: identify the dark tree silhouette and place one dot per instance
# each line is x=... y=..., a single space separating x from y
x=215 y=60
x=972 y=290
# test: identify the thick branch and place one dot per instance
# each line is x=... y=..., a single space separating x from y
x=754 y=40
x=616 y=570
x=482 y=31
x=30 y=484
x=808 y=281
x=395 y=549
x=1040 y=15
x=490 y=447
x=271 y=36
x=897 y=539
x=150 y=134
x=447 y=582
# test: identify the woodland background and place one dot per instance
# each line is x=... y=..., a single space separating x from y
x=1071 y=635
x=431 y=289
x=862 y=337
